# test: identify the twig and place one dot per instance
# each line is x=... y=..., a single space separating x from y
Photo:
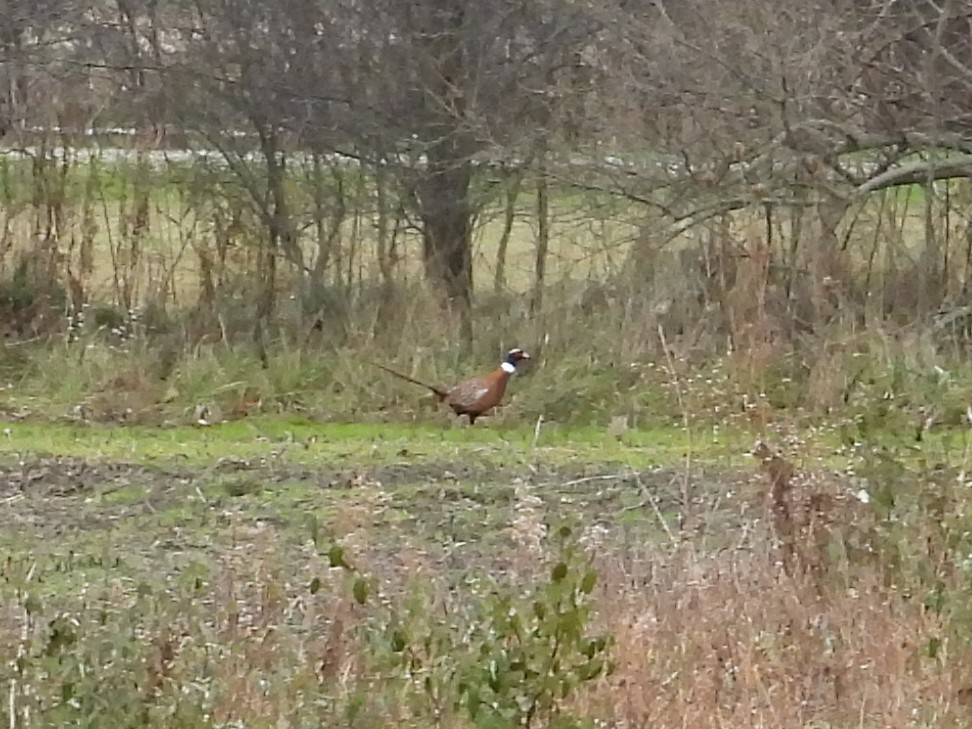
x=591 y=479
x=21 y=651
x=536 y=430
x=685 y=420
x=12 y=718
x=651 y=501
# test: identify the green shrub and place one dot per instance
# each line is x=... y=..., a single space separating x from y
x=503 y=655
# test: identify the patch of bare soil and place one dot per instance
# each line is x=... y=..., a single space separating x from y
x=52 y=495
x=451 y=516
x=50 y=475
x=47 y=475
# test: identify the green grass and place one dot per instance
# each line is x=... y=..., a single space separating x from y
x=306 y=443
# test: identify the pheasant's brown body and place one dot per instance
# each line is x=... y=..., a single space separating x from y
x=479 y=395
x=476 y=396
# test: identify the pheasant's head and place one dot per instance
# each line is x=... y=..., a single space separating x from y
x=513 y=358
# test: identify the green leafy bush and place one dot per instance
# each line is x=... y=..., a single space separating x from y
x=502 y=655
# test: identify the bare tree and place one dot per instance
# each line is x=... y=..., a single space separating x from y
x=428 y=94
x=789 y=112
x=458 y=87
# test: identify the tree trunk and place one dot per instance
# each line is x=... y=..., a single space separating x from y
x=444 y=185
x=446 y=214
x=509 y=218
x=543 y=240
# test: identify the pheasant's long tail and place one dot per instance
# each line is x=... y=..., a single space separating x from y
x=439 y=392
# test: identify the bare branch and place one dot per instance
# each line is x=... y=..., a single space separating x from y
x=918 y=172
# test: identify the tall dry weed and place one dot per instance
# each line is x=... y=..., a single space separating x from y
x=731 y=640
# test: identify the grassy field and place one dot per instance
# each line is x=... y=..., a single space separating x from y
x=422 y=483
x=276 y=572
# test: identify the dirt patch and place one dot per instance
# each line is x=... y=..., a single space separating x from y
x=46 y=475
x=48 y=496
x=58 y=476
x=161 y=518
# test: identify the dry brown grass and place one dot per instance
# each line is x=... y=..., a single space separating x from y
x=702 y=640
x=741 y=638
x=730 y=640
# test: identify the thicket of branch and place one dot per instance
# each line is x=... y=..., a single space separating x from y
x=352 y=133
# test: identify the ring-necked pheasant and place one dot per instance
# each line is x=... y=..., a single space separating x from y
x=476 y=396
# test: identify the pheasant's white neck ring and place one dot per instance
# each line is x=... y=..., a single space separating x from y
x=508 y=368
